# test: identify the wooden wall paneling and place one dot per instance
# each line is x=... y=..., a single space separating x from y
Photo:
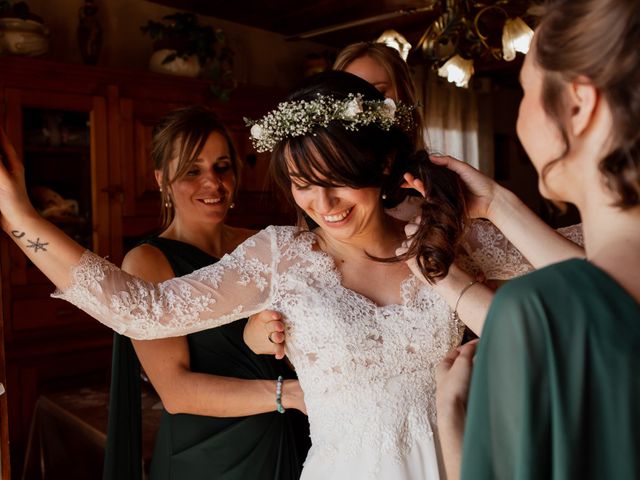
x=115 y=189
x=100 y=176
x=5 y=471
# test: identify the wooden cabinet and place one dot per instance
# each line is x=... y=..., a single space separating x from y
x=84 y=134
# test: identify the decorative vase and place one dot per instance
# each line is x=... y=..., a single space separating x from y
x=23 y=37
x=178 y=66
x=89 y=33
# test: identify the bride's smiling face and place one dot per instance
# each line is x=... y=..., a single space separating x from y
x=343 y=212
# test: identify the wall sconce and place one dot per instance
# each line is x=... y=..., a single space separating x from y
x=395 y=40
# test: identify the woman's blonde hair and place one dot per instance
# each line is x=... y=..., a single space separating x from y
x=397 y=70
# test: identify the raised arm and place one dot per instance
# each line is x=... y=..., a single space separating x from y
x=237 y=286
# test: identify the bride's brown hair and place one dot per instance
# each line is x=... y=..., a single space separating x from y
x=334 y=156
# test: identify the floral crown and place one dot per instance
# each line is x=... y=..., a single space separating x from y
x=297 y=118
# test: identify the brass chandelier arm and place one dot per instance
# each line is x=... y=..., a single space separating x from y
x=496 y=53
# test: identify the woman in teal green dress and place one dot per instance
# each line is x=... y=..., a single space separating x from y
x=219 y=419
x=555 y=390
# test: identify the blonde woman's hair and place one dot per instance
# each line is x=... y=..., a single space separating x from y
x=397 y=70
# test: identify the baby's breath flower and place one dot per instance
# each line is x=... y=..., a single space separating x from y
x=297 y=118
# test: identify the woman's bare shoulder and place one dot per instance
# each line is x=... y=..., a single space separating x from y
x=147 y=262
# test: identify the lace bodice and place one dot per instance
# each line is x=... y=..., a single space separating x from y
x=367 y=371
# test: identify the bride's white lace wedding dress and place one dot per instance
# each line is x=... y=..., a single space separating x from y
x=367 y=370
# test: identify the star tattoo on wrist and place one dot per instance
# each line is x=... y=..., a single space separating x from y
x=37 y=245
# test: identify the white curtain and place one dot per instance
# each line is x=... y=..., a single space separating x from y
x=451 y=119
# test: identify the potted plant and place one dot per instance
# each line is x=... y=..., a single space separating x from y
x=21 y=31
x=183 y=47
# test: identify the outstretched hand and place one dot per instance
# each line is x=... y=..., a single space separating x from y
x=14 y=200
x=264 y=334
x=481 y=190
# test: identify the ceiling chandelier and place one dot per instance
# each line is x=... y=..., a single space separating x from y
x=464 y=32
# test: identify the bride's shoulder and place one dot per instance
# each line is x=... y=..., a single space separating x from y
x=285 y=238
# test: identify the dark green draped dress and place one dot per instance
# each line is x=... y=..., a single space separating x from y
x=555 y=392
x=269 y=446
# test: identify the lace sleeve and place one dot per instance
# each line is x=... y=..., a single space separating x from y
x=235 y=287
x=488 y=250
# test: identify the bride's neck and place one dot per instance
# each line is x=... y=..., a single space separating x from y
x=380 y=240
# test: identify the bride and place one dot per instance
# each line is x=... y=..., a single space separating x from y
x=363 y=331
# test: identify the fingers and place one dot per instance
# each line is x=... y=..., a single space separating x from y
x=463 y=352
x=411 y=229
x=265 y=334
x=272 y=323
x=445 y=161
x=468 y=350
x=415 y=183
x=447 y=362
x=276 y=336
x=266 y=316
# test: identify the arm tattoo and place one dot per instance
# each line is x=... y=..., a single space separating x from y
x=17 y=233
x=37 y=245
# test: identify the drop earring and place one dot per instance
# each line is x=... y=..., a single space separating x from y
x=383 y=196
x=232 y=205
x=168 y=203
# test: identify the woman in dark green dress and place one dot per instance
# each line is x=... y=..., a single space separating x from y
x=555 y=391
x=220 y=419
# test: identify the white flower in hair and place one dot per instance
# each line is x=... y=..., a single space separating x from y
x=354 y=107
x=389 y=108
x=256 y=131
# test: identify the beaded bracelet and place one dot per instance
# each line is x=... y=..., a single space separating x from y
x=279 y=406
x=454 y=314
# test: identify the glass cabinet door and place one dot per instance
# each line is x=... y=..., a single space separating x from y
x=57 y=159
x=62 y=140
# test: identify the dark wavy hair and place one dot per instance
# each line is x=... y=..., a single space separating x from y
x=600 y=40
x=334 y=156
x=184 y=133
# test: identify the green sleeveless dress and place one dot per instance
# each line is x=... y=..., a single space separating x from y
x=269 y=446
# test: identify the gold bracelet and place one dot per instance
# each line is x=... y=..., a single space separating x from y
x=462 y=292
